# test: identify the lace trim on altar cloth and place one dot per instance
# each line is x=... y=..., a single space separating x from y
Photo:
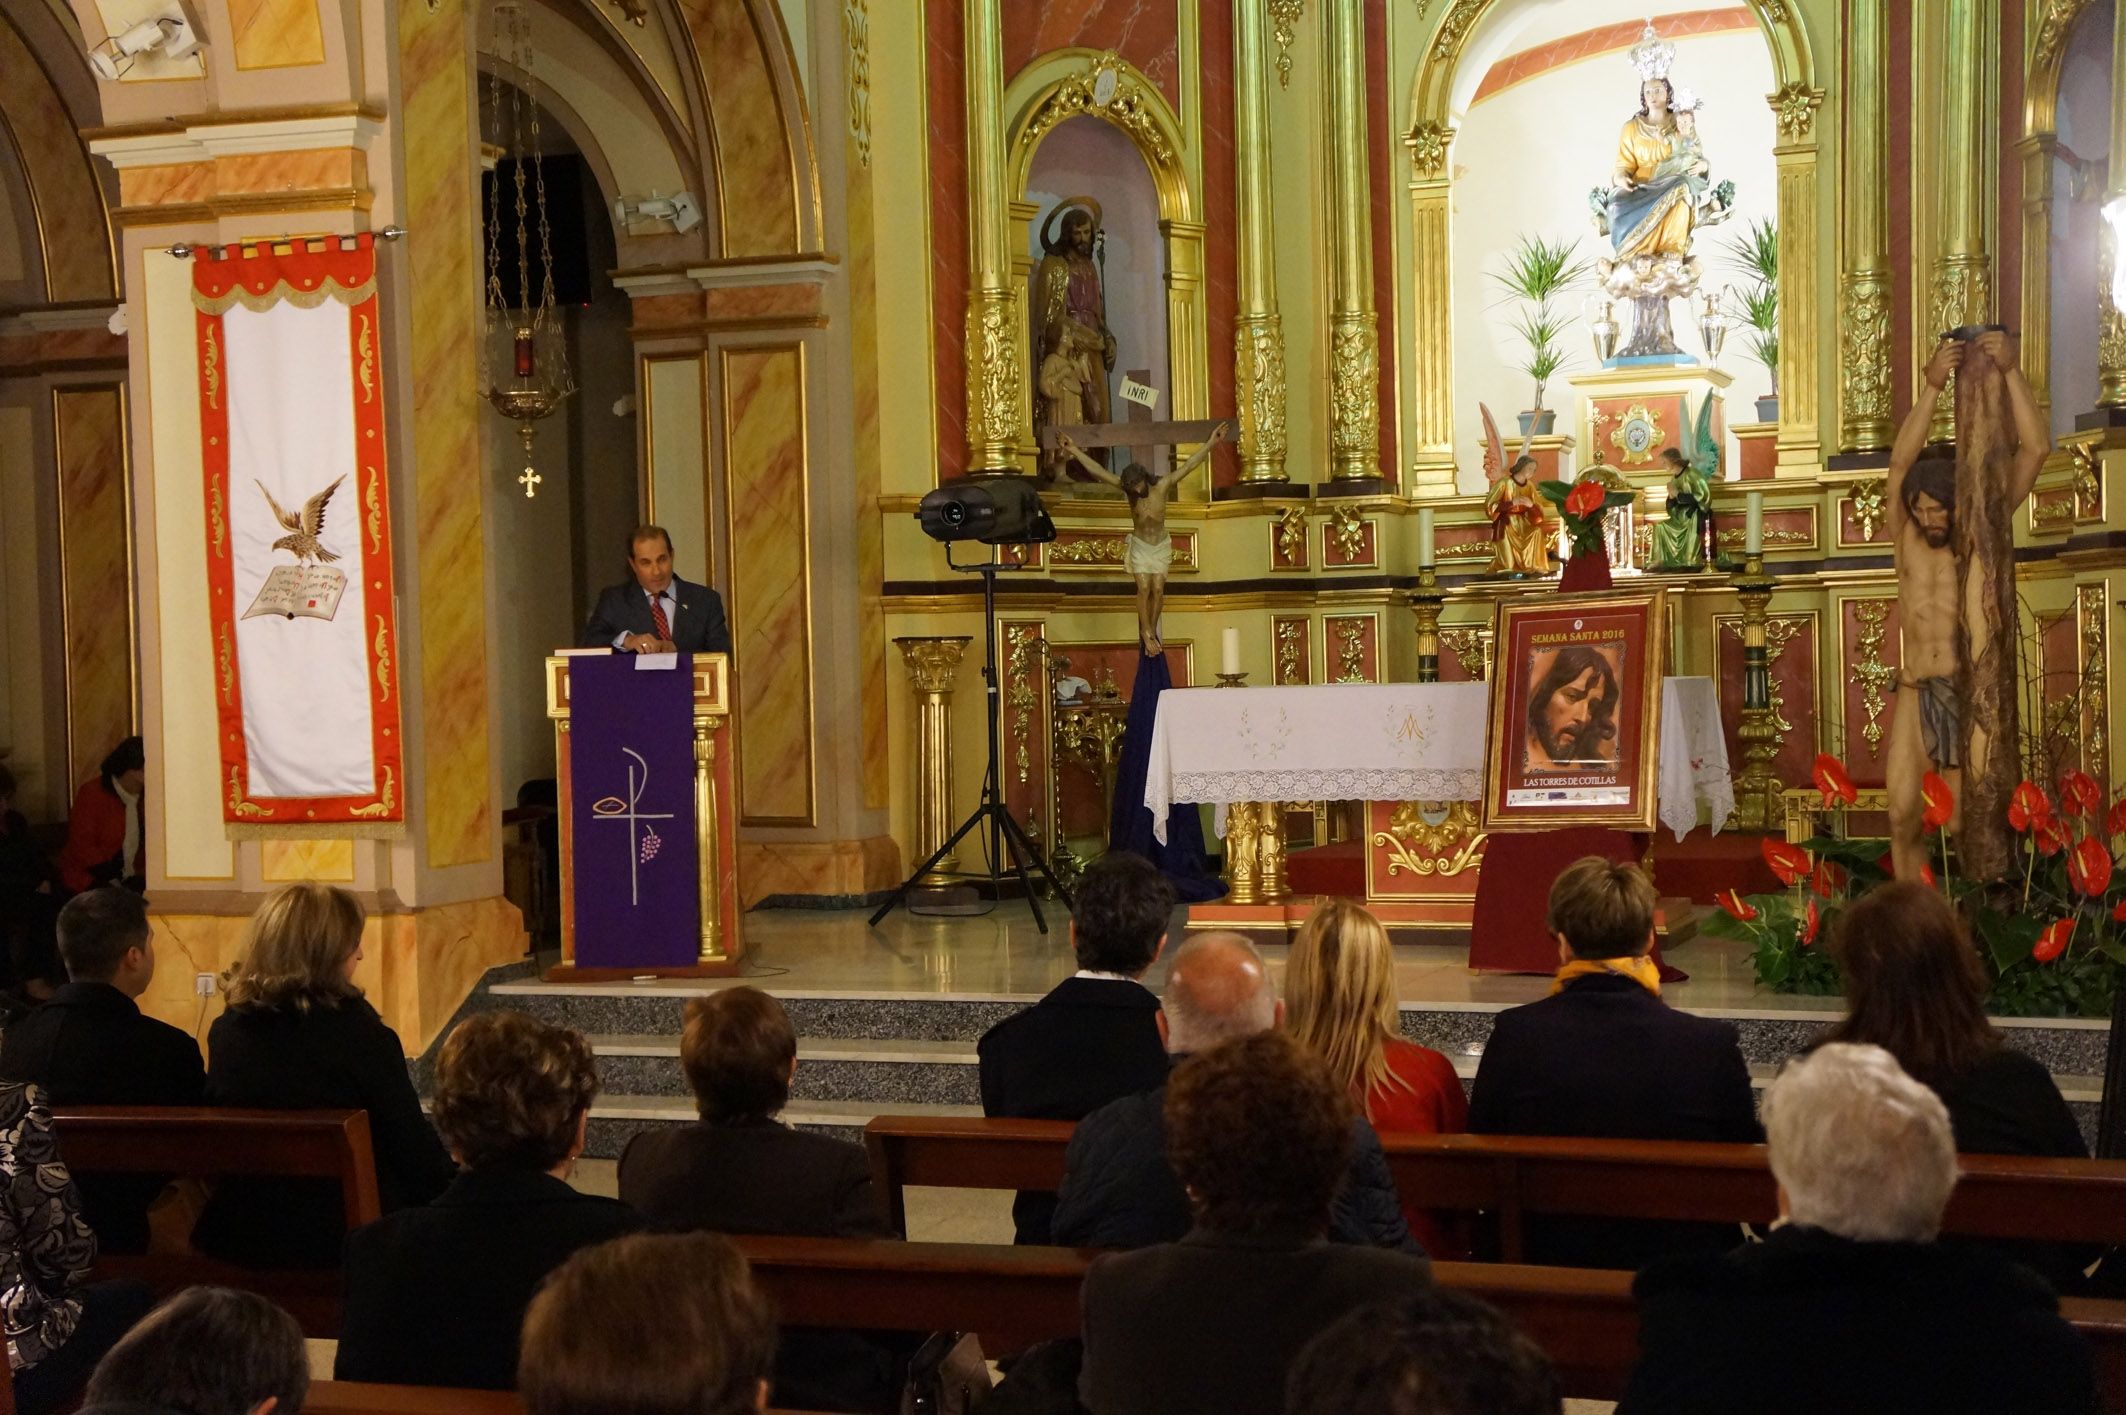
x=1340 y=784
x=1715 y=791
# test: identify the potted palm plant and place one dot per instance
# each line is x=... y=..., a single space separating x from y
x=1755 y=253
x=1536 y=274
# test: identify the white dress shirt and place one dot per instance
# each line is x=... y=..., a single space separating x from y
x=671 y=612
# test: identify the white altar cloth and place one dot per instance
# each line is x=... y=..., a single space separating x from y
x=1321 y=742
x=1390 y=742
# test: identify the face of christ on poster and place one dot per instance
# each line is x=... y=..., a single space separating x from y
x=1572 y=735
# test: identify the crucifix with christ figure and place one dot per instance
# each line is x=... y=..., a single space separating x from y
x=1148 y=551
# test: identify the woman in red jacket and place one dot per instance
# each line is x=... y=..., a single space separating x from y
x=103 y=835
x=1340 y=1004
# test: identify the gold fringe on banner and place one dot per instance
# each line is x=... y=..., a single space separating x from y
x=281 y=290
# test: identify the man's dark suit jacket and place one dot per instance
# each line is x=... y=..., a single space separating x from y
x=1120 y=1192
x=1212 y=1323
x=91 y=1046
x=1090 y=1041
x=697 y=627
x=1810 y=1321
x=436 y=1295
x=1607 y=1058
x=329 y=1058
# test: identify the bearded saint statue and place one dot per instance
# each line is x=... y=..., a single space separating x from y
x=1073 y=348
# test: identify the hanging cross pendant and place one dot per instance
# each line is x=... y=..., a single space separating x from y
x=530 y=481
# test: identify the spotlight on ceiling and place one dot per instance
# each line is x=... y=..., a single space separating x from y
x=678 y=208
x=169 y=34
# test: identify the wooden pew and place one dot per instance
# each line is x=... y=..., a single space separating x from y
x=354 y=1398
x=1584 y=1320
x=1512 y=1177
x=207 y=1143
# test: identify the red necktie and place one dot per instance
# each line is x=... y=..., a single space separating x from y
x=664 y=625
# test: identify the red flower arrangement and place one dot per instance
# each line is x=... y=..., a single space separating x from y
x=2089 y=867
x=2053 y=941
x=1938 y=802
x=1741 y=909
x=2029 y=805
x=1790 y=863
x=2079 y=794
x=1831 y=779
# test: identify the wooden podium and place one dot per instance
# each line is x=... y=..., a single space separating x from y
x=712 y=920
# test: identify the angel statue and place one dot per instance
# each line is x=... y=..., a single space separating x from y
x=1520 y=541
x=1683 y=542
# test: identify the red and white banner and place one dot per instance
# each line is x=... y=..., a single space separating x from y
x=306 y=663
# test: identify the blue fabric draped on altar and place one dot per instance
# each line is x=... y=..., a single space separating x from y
x=1181 y=859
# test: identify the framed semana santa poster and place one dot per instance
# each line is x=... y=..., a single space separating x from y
x=1575 y=709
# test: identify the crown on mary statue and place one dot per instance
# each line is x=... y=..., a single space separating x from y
x=1651 y=56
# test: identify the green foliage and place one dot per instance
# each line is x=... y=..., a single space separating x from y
x=1755 y=253
x=1535 y=274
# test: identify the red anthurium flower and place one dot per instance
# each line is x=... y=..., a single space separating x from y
x=2027 y=806
x=1937 y=801
x=2115 y=822
x=1585 y=499
x=2051 y=837
x=1926 y=875
x=1732 y=901
x=1810 y=922
x=2053 y=941
x=2089 y=866
x=2118 y=912
x=1830 y=877
x=1831 y=779
x=2079 y=794
x=1790 y=862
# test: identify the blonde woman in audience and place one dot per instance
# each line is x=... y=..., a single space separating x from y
x=298 y=1035
x=667 y=1324
x=435 y=1295
x=1340 y=1004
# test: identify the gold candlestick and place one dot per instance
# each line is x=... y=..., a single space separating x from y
x=1757 y=788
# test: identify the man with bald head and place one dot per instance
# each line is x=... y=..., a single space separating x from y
x=1118 y=1190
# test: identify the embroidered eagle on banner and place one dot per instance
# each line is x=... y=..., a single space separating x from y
x=306 y=528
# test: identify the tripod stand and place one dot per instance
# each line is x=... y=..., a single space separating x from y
x=1005 y=833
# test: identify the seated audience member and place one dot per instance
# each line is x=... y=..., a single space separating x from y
x=27 y=954
x=58 y=1322
x=298 y=1035
x=1915 y=988
x=1339 y=990
x=1119 y=1190
x=436 y=1295
x=1435 y=1352
x=206 y=1351
x=1604 y=1056
x=1260 y=1136
x=1849 y=1305
x=666 y=1324
x=1093 y=1038
x=90 y=1045
x=103 y=834
x=741 y=1171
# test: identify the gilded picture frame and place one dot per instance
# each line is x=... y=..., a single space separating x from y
x=1575 y=712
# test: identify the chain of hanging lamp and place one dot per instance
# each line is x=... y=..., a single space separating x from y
x=540 y=377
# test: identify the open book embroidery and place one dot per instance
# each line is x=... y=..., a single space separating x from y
x=312 y=591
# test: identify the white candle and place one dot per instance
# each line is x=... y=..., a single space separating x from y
x=1753 y=536
x=1424 y=538
x=1229 y=656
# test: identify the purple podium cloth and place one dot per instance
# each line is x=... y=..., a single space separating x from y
x=1129 y=827
x=631 y=780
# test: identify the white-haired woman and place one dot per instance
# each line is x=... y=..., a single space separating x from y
x=1850 y=1304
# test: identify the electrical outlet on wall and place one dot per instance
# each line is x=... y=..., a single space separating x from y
x=203 y=984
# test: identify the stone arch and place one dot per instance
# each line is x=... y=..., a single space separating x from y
x=2037 y=147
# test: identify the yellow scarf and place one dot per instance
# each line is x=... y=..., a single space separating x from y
x=1641 y=970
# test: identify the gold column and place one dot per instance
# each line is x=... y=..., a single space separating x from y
x=2037 y=151
x=1269 y=852
x=1963 y=265
x=1864 y=285
x=1354 y=336
x=1240 y=886
x=1258 y=333
x=1431 y=317
x=996 y=390
x=2111 y=330
x=707 y=839
x=1800 y=431
x=932 y=663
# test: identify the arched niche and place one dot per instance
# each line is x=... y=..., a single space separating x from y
x=1429 y=138
x=1065 y=86
x=2065 y=144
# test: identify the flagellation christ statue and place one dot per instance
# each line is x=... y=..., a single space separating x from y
x=1074 y=351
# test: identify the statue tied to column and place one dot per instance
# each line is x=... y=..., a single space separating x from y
x=1951 y=514
x=1074 y=350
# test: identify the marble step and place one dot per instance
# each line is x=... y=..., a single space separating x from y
x=867 y=1069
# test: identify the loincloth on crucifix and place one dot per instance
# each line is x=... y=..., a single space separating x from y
x=1143 y=557
x=1941 y=719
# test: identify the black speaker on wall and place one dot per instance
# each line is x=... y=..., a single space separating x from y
x=566 y=182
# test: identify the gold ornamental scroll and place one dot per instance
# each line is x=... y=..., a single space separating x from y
x=1354 y=334
x=1258 y=330
x=1961 y=285
x=1864 y=284
x=719 y=943
x=996 y=385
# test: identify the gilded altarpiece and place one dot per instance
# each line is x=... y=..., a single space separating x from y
x=1791 y=642
x=1868 y=629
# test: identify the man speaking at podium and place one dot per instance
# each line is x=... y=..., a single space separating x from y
x=659 y=612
